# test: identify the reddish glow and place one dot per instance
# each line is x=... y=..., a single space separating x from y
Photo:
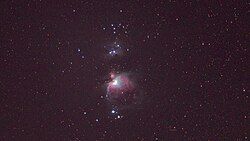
x=112 y=75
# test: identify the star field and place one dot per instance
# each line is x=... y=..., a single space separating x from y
x=177 y=70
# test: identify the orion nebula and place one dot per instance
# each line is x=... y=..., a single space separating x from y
x=121 y=90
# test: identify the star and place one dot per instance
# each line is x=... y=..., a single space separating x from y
x=112 y=52
x=115 y=82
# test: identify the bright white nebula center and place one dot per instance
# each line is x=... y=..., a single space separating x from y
x=115 y=82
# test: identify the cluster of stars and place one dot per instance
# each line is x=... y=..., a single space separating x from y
x=115 y=113
x=115 y=28
x=80 y=53
x=114 y=49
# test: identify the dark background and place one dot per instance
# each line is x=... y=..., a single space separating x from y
x=190 y=59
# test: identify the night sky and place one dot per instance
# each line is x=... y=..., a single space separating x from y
x=106 y=70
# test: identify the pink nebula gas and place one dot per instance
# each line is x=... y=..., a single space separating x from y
x=119 y=85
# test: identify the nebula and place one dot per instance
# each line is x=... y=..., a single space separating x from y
x=121 y=90
x=120 y=85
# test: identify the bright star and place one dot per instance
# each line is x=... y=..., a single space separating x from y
x=115 y=82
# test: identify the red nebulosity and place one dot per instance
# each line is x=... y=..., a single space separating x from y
x=121 y=90
x=119 y=85
x=112 y=75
